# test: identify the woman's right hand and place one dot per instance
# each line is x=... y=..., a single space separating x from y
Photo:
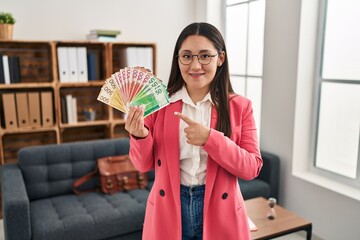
x=134 y=122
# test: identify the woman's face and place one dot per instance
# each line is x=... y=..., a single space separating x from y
x=198 y=76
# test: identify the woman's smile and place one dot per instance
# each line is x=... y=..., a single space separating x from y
x=196 y=75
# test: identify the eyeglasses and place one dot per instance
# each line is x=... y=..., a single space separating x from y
x=203 y=58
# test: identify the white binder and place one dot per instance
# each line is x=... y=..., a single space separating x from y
x=63 y=64
x=82 y=64
x=73 y=66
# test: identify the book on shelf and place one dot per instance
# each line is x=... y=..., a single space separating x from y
x=64 y=116
x=93 y=66
x=101 y=38
x=71 y=109
x=104 y=32
x=14 y=69
x=103 y=35
x=74 y=108
x=2 y=77
x=5 y=60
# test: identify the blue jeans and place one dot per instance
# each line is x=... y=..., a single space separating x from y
x=192 y=208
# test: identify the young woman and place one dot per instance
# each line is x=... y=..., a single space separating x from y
x=199 y=145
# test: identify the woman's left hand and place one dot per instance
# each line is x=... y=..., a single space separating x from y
x=196 y=133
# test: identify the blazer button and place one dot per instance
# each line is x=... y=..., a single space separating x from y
x=159 y=162
x=225 y=195
x=162 y=193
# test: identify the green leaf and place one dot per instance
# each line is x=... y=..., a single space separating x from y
x=6 y=18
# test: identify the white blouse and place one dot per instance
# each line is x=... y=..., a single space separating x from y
x=192 y=158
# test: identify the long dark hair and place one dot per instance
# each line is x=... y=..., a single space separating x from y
x=220 y=87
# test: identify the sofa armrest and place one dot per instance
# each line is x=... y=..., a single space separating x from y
x=270 y=172
x=15 y=203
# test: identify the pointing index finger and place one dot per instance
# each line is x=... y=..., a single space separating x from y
x=184 y=118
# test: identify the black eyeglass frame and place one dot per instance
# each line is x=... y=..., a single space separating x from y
x=197 y=56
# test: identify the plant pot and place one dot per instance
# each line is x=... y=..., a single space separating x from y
x=6 y=31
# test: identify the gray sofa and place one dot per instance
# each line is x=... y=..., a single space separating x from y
x=38 y=202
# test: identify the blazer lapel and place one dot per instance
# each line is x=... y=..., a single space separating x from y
x=172 y=149
x=211 y=167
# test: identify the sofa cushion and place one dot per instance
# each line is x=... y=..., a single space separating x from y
x=50 y=170
x=254 y=188
x=89 y=216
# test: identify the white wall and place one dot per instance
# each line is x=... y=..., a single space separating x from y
x=334 y=216
x=157 y=21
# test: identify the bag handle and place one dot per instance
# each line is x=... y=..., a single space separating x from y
x=83 y=180
x=118 y=158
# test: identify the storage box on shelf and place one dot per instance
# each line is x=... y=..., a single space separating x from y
x=62 y=79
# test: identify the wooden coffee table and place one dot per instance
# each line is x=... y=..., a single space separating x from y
x=285 y=222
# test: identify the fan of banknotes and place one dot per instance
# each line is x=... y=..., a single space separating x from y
x=134 y=86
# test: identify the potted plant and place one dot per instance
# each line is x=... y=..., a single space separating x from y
x=6 y=26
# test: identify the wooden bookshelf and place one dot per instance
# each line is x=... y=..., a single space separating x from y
x=39 y=73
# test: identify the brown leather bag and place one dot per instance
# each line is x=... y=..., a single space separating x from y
x=116 y=173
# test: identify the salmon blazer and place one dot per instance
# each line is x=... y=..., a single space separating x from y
x=228 y=158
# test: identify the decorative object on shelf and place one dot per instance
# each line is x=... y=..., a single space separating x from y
x=7 y=22
x=134 y=86
x=90 y=114
x=102 y=35
x=271 y=213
